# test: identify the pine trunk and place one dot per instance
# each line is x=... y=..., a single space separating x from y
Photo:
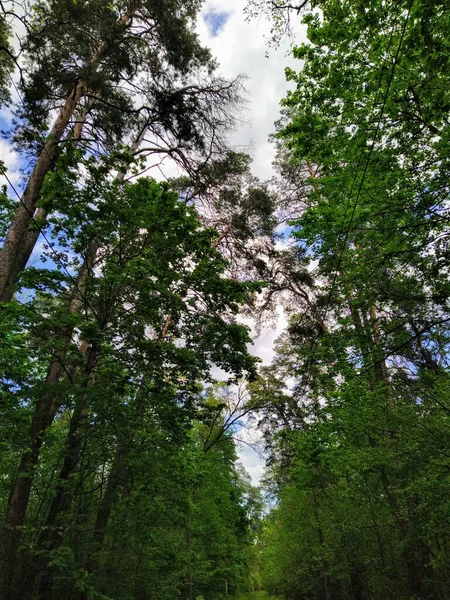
x=23 y=232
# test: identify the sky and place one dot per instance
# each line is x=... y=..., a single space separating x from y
x=241 y=47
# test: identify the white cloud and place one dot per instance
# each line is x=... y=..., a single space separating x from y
x=252 y=462
x=263 y=344
x=11 y=160
x=251 y=458
x=240 y=47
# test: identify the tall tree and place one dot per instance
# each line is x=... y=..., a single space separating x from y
x=127 y=222
x=104 y=76
x=362 y=137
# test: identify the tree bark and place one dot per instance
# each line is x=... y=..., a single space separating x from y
x=23 y=232
x=123 y=450
x=117 y=471
x=45 y=412
x=109 y=496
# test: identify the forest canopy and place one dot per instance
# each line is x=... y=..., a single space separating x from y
x=129 y=303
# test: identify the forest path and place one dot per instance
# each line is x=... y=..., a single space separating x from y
x=257 y=595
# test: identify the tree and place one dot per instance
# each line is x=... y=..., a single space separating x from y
x=137 y=66
x=123 y=310
x=361 y=139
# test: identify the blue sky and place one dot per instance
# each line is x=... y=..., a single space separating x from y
x=215 y=21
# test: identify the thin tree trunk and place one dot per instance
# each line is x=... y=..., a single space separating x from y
x=58 y=504
x=50 y=537
x=43 y=416
x=62 y=497
x=45 y=411
x=23 y=233
x=413 y=564
x=113 y=480
x=109 y=496
x=116 y=473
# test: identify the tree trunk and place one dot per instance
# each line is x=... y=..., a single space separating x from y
x=116 y=473
x=123 y=450
x=45 y=411
x=109 y=496
x=50 y=537
x=23 y=232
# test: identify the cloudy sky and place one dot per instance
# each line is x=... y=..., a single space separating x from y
x=241 y=47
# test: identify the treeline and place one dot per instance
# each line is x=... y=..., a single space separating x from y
x=358 y=428
x=120 y=295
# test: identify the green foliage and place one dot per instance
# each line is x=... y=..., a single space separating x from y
x=358 y=459
x=110 y=487
x=91 y=42
x=131 y=394
x=120 y=478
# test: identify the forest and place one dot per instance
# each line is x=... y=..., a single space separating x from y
x=131 y=302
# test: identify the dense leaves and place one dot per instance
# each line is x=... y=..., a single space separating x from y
x=359 y=461
x=154 y=316
x=115 y=481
